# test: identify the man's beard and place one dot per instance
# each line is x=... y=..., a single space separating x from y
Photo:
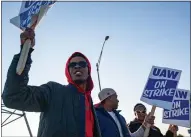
x=79 y=82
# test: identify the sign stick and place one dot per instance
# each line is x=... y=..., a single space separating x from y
x=23 y=57
x=146 y=133
x=27 y=45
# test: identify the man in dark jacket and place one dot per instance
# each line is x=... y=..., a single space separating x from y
x=140 y=113
x=66 y=110
x=113 y=124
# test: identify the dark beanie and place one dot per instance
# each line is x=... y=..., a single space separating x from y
x=139 y=105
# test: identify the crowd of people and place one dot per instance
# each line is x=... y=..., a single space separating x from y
x=68 y=110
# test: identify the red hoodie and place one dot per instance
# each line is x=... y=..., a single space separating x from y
x=89 y=119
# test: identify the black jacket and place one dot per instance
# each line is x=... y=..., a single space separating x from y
x=62 y=107
x=154 y=131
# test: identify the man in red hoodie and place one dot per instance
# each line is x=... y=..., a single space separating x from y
x=66 y=110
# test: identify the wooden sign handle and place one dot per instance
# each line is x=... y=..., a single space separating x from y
x=27 y=45
x=23 y=57
x=146 y=133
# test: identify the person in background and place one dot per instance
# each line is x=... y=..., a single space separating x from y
x=111 y=122
x=66 y=110
x=140 y=112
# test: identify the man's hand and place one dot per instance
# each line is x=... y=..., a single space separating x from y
x=148 y=120
x=28 y=34
x=173 y=128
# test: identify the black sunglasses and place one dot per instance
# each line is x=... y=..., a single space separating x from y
x=141 y=111
x=82 y=64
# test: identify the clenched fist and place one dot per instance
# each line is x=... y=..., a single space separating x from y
x=149 y=120
x=28 y=34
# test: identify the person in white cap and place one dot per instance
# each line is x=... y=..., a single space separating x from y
x=113 y=124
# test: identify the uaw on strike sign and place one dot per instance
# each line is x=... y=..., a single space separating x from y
x=160 y=87
x=28 y=10
x=180 y=112
x=30 y=14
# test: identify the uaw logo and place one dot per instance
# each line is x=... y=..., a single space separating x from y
x=30 y=8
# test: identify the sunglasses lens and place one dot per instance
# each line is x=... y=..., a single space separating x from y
x=82 y=64
x=72 y=65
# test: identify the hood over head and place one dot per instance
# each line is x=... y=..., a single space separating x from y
x=90 y=84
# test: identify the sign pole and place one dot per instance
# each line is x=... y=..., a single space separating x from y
x=27 y=45
x=146 y=133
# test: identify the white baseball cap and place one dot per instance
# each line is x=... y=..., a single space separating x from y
x=105 y=93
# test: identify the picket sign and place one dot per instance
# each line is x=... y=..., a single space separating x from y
x=180 y=113
x=31 y=13
x=160 y=89
x=27 y=45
